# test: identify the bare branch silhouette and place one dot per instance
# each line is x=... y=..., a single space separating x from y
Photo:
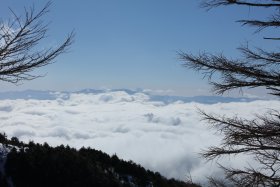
x=258 y=137
x=19 y=39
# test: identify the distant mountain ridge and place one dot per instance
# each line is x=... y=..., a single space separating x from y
x=52 y=95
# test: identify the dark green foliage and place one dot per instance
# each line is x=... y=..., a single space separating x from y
x=45 y=166
x=3 y=180
x=42 y=165
x=3 y=138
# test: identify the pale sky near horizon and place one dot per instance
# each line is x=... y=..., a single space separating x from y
x=134 y=44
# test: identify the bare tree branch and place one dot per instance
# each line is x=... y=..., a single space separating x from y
x=19 y=50
x=216 y=3
x=258 y=137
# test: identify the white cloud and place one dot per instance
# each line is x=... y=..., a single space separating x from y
x=160 y=92
x=162 y=137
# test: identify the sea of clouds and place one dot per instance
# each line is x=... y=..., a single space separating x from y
x=161 y=136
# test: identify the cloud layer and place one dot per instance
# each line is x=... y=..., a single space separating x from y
x=161 y=137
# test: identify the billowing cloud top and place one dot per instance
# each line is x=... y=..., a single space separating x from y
x=161 y=134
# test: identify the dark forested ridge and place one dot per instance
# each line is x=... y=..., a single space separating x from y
x=42 y=165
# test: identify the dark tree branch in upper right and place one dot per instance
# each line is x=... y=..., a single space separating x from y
x=258 y=137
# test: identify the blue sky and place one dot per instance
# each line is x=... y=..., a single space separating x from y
x=134 y=44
